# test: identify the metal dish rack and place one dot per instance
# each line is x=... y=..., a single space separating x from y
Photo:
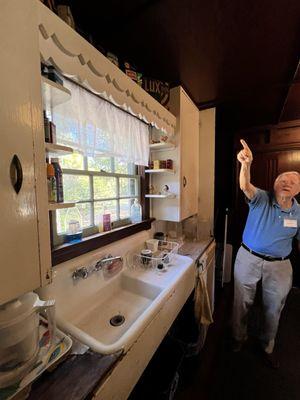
x=164 y=256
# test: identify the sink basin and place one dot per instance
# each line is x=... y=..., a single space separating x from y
x=109 y=314
x=125 y=299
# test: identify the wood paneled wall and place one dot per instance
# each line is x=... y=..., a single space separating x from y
x=276 y=149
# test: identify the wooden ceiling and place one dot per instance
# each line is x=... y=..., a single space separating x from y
x=238 y=55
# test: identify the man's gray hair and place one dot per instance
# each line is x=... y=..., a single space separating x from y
x=288 y=173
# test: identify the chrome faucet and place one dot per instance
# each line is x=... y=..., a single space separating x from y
x=106 y=261
x=84 y=272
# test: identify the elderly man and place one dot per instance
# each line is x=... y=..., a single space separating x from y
x=273 y=221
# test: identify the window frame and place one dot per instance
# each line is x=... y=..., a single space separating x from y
x=68 y=251
x=58 y=238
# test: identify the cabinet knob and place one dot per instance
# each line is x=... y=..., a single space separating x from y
x=184 y=181
x=16 y=173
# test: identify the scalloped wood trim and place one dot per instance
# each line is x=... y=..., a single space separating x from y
x=75 y=58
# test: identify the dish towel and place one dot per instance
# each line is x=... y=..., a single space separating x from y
x=202 y=307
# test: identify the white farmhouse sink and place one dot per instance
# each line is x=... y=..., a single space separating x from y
x=89 y=309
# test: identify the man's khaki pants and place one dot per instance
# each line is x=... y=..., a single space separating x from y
x=276 y=277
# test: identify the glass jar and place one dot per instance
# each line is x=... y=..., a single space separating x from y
x=163 y=164
x=73 y=225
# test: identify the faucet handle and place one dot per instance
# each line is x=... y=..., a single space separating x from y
x=100 y=263
x=98 y=266
x=80 y=273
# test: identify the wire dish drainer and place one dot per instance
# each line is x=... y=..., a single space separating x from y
x=164 y=255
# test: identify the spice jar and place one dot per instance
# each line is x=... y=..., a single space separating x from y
x=156 y=164
x=169 y=164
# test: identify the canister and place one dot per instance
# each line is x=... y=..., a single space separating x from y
x=156 y=164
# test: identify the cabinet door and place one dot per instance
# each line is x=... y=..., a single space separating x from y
x=18 y=236
x=189 y=144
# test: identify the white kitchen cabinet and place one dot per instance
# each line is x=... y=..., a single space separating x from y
x=31 y=32
x=24 y=257
x=185 y=181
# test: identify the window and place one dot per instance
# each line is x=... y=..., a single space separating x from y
x=96 y=177
x=98 y=185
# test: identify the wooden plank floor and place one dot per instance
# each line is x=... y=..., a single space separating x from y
x=219 y=374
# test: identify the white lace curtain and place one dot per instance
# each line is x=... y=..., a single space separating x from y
x=93 y=126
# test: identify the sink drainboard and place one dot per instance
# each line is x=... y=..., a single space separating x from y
x=117 y=320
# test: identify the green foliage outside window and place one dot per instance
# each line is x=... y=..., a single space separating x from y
x=98 y=185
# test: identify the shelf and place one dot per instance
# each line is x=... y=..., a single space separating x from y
x=161 y=146
x=57 y=150
x=160 y=196
x=54 y=93
x=159 y=171
x=58 y=206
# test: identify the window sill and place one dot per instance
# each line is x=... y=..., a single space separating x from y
x=68 y=251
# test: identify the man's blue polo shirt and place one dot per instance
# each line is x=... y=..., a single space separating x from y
x=265 y=232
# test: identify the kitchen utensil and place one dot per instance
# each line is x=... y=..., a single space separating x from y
x=152 y=244
x=19 y=335
x=146 y=256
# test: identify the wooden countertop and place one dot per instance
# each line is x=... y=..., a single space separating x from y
x=77 y=377
x=195 y=249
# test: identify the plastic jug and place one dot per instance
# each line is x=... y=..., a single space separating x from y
x=136 y=212
x=73 y=225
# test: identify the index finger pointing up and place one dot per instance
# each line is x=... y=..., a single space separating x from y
x=244 y=144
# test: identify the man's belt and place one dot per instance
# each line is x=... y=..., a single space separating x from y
x=267 y=258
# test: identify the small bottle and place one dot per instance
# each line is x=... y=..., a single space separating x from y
x=51 y=182
x=52 y=127
x=136 y=212
x=47 y=129
x=106 y=222
x=59 y=180
x=100 y=225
